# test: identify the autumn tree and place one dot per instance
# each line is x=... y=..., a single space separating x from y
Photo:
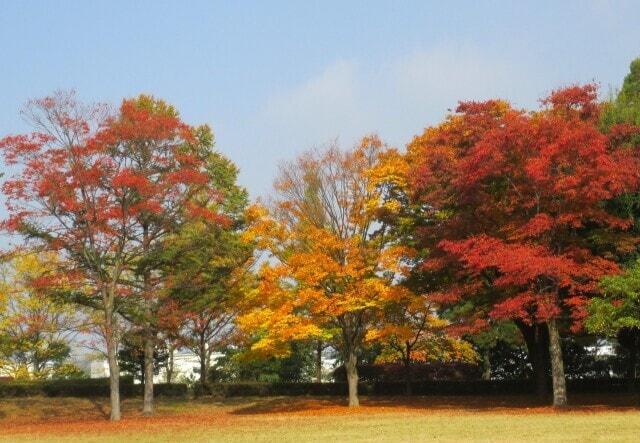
x=514 y=209
x=329 y=275
x=209 y=267
x=35 y=329
x=412 y=328
x=166 y=182
x=57 y=200
x=81 y=190
x=411 y=331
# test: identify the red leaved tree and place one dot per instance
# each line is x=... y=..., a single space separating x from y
x=100 y=189
x=514 y=210
x=163 y=178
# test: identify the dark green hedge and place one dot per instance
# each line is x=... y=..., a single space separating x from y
x=91 y=387
x=439 y=387
x=100 y=388
x=256 y=389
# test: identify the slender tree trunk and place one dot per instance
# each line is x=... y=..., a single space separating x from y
x=114 y=368
x=486 y=364
x=149 y=335
x=170 y=363
x=203 y=361
x=351 y=368
x=207 y=364
x=319 y=362
x=147 y=408
x=557 y=366
x=35 y=361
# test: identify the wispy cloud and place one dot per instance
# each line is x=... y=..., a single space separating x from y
x=397 y=99
x=323 y=107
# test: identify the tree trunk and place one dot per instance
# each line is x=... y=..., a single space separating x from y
x=147 y=408
x=486 y=365
x=114 y=369
x=557 y=366
x=170 y=363
x=352 y=378
x=633 y=365
x=536 y=338
x=149 y=336
x=408 y=375
x=319 y=362
x=203 y=361
x=542 y=360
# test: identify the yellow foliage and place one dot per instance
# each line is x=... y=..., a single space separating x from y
x=330 y=272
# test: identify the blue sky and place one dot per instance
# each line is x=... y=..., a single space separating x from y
x=275 y=78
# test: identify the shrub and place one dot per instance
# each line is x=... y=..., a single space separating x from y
x=395 y=372
x=168 y=389
x=257 y=389
x=433 y=387
x=90 y=387
x=21 y=388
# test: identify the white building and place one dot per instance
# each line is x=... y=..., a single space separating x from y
x=186 y=366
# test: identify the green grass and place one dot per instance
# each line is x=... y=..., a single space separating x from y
x=296 y=420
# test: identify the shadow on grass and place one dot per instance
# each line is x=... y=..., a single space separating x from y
x=514 y=404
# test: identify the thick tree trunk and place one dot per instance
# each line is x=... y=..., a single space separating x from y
x=319 y=362
x=557 y=366
x=536 y=338
x=542 y=360
x=629 y=339
x=632 y=371
x=486 y=365
x=147 y=408
x=114 y=368
x=408 y=375
x=350 y=366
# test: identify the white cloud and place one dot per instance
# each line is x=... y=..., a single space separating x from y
x=429 y=82
x=322 y=108
x=397 y=99
x=444 y=75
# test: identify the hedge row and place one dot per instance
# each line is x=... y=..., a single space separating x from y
x=91 y=387
x=100 y=388
x=439 y=387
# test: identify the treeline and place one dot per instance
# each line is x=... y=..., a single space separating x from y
x=498 y=225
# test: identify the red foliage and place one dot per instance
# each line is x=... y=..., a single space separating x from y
x=511 y=199
x=575 y=101
x=88 y=188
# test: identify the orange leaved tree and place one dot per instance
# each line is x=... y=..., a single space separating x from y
x=330 y=275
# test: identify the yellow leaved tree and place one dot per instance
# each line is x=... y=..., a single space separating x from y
x=35 y=329
x=334 y=268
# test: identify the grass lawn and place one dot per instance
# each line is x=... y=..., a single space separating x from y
x=450 y=419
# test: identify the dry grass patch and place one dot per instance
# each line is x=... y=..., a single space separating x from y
x=614 y=418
